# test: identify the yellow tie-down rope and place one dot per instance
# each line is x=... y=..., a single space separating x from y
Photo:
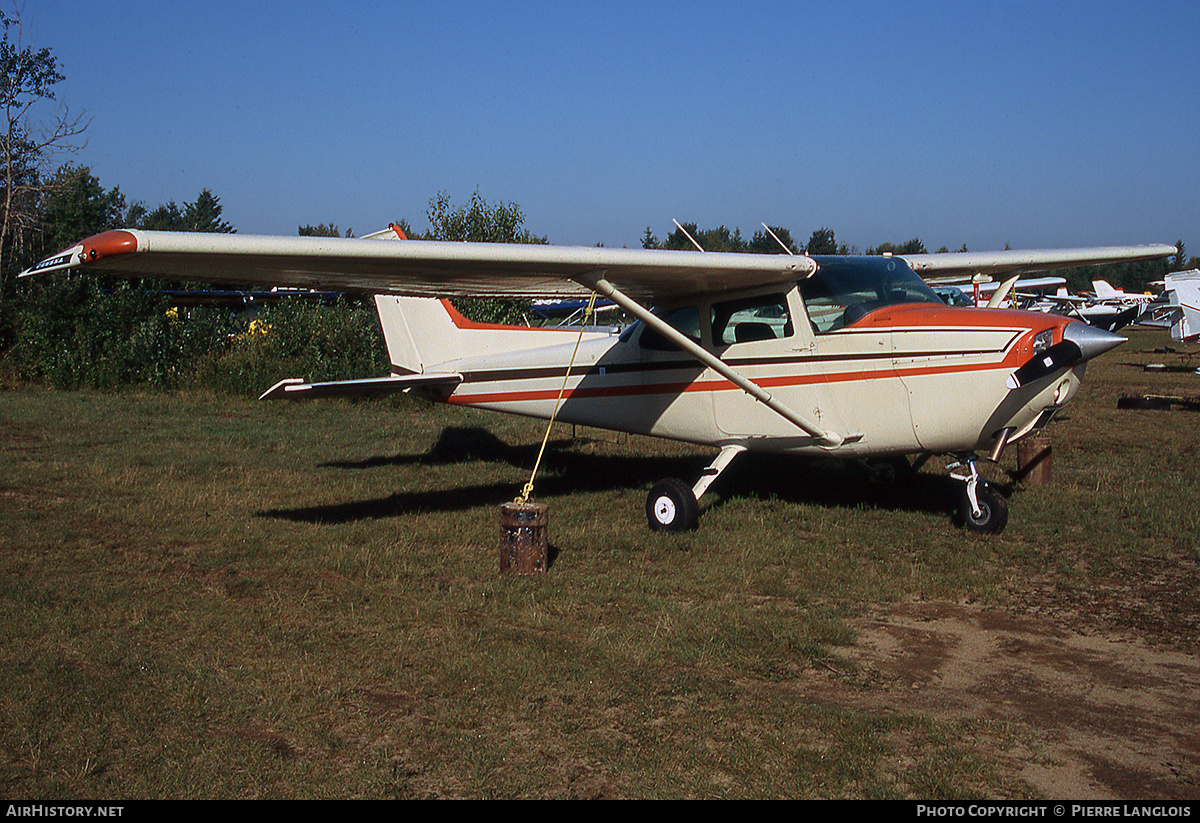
x=528 y=489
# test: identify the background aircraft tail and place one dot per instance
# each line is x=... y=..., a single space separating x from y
x=1183 y=288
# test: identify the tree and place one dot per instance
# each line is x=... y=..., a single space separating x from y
x=681 y=238
x=201 y=215
x=481 y=223
x=478 y=223
x=822 y=242
x=27 y=80
x=721 y=239
x=76 y=206
x=323 y=230
x=204 y=214
x=718 y=239
x=764 y=243
x=914 y=246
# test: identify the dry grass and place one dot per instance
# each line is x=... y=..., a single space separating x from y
x=209 y=597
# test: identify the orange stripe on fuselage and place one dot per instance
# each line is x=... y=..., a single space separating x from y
x=897 y=319
x=636 y=390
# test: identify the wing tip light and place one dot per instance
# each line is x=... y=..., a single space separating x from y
x=97 y=247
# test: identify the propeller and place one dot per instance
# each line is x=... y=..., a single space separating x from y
x=1080 y=343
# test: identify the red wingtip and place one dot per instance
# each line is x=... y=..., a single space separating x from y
x=399 y=232
x=108 y=244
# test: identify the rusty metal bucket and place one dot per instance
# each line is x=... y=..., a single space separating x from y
x=523 y=528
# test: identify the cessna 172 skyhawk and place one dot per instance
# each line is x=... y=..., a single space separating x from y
x=848 y=357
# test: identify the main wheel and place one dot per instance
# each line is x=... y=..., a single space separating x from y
x=993 y=510
x=671 y=507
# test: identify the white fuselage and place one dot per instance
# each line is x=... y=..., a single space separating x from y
x=905 y=379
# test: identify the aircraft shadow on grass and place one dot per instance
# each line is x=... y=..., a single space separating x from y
x=566 y=471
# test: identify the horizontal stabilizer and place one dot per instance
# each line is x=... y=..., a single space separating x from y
x=297 y=389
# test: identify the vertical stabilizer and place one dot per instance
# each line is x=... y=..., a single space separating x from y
x=1183 y=288
x=402 y=349
x=422 y=332
x=407 y=320
x=426 y=332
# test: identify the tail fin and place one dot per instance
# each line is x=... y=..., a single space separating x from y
x=423 y=332
x=426 y=332
x=419 y=332
x=1184 y=290
x=1103 y=289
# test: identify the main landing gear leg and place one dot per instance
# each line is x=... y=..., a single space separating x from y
x=673 y=507
x=981 y=508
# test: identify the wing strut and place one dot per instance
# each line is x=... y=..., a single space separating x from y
x=597 y=283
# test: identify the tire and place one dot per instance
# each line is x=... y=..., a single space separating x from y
x=671 y=507
x=993 y=510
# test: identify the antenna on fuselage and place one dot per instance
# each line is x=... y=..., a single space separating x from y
x=685 y=234
x=777 y=240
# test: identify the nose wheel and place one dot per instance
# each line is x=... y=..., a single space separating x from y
x=980 y=507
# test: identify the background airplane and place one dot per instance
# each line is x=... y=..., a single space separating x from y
x=1182 y=289
x=1106 y=307
x=965 y=291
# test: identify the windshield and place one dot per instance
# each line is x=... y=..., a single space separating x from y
x=845 y=289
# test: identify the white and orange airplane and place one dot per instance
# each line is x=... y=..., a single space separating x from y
x=847 y=357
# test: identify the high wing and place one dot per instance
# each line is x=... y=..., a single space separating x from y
x=421 y=268
x=968 y=264
x=440 y=269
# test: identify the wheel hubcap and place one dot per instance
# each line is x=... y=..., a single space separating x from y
x=664 y=510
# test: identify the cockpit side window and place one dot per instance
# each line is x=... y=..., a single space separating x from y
x=685 y=320
x=764 y=317
x=846 y=289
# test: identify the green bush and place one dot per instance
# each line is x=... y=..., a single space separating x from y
x=72 y=332
x=295 y=338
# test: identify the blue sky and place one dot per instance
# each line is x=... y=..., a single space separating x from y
x=1033 y=124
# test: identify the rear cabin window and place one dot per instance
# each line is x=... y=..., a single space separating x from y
x=764 y=317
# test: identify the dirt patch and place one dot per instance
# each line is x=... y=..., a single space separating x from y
x=1117 y=716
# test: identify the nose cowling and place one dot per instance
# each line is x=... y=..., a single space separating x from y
x=1091 y=340
x=1080 y=343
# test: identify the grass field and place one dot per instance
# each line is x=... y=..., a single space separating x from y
x=209 y=597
